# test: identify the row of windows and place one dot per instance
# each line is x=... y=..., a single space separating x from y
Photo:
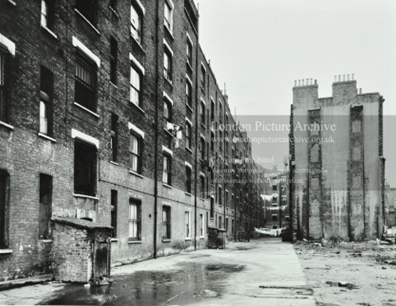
x=135 y=220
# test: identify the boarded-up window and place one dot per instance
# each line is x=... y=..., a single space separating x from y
x=45 y=209
x=356 y=126
x=356 y=153
x=315 y=153
x=357 y=182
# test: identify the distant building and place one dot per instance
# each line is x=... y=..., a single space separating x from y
x=337 y=163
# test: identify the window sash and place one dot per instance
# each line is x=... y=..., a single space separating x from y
x=89 y=9
x=168 y=16
x=167 y=66
x=134 y=231
x=86 y=74
x=166 y=223
x=166 y=169
x=135 y=86
x=136 y=24
x=188 y=135
x=187 y=224
x=134 y=152
x=43 y=118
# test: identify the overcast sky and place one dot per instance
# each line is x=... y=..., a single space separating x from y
x=259 y=47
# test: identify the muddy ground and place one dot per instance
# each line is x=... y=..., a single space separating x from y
x=347 y=273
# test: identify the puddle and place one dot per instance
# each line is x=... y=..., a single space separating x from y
x=190 y=283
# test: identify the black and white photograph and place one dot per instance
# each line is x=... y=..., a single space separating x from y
x=198 y=152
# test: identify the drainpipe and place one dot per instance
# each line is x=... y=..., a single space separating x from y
x=156 y=132
x=197 y=70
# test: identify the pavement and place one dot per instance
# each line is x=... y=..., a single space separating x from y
x=259 y=272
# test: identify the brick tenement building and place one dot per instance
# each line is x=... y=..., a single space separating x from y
x=110 y=112
x=337 y=163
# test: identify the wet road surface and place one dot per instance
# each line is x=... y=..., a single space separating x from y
x=191 y=283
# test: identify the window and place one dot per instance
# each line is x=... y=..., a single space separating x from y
x=88 y=8
x=135 y=153
x=85 y=82
x=202 y=148
x=202 y=111
x=274 y=217
x=187 y=232
x=84 y=168
x=188 y=179
x=212 y=141
x=232 y=201
x=167 y=169
x=46 y=93
x=226 y=224
x=212 y=109
x=188 y=135
x=221 y=140
x=135 y=217
x=188 y=94
x=203 y=72
x=168 y=14
x=113 y=4
x=113 y=209
x=113 y=60
x=45 y=209
x=47 y=13
x=189 y=52
x=3 y=105
x=4 y=196
x=135 y=94
x=226 y=199
x=167 y=111
x=201 y=225
x=220 y=195
x=167 y=65
x=232 y=226
x=274 y=187
x=202 y=186
x=221 y=112
x=166 y=222
x=220 y=222
x=212 y=207
x=114 y=137
x=136 y=24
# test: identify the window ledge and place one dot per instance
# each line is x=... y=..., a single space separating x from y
x=203 y=125
x=189 y=107
x=138 y=107
x=189 y=66
x=188 y=149
x=138 y=43
x=86 y=109
x=114 y=85
x=166 y=240
x=9 y=126
x=202 y=237
x=189 y=194
x=187 y=239
x=46 y=137
x=114 y=163
x=78 y=195
x=5 y=251
x=136 y=174
x=169 y=81
x=135 y=242
x=168 y=132
x=12 y=2
x=45 y=240
x=167 y=186
x=169 y=31
x=203 y=199
x=50 y=32
x=114 y=240
x=87 y=21
x=114 y=11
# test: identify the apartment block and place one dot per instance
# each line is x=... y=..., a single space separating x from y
x=108 y=116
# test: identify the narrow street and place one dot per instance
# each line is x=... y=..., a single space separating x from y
x=260 y=272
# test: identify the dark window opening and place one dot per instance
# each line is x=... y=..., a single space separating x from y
x=88 y=8
x=114 y=137
x=4 y=84
x=113 y=60
x=85 y=82
x=191 y=14
x=203 y=72
x=189 y=52
x=46 y=104
x=84 y=168
x=188 y=94
x=113 y=208
x=135 y=220
x=47 y=13
x=166 y=222
x=167 y=111
x=202 y=113
x=202 y=187
x=188 y=179
x=113 y=4
x=211 y=207
x=45 y=210
x=4 y=191
x=188 y=135
x=202 y=148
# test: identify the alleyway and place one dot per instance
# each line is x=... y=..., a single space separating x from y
x=206 y=277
